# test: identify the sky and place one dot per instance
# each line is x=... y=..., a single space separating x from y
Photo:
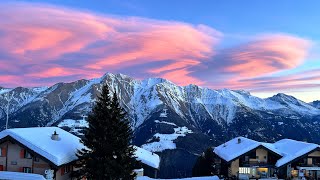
x=265 y=47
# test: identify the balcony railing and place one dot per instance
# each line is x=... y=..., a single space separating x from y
x=254 y=163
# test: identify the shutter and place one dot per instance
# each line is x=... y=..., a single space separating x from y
x=4 y=152
x=62 y=170
x=20 y=169
x=22 y=153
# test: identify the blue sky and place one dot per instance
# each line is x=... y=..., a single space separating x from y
x=217 y=44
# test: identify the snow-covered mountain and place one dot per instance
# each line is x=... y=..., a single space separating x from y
x=195 y=117
x=316 y=104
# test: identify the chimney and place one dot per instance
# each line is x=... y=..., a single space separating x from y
x=239 y=140
x=55 y=136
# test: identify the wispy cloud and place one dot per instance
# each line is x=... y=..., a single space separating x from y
x=60 y=42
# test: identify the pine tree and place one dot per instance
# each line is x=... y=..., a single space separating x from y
x=205 y=165
x=109 y=154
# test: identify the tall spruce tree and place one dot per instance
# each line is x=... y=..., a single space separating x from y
x=109 y=154
x=205 y=164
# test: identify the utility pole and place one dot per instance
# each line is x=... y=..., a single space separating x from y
x=8 y=98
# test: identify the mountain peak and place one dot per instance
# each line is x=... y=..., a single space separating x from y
x=316 y=104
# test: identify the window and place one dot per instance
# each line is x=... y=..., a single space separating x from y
x=252 y=154
x=67 y=168
x=3 y=152
x=27 y=170
x=36 y=159
x=316 y=161
x=257 y=157
x=27 y=155
x=244 y=170
x=264 y=157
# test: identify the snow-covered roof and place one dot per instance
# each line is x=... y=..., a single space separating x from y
x=292 y=149
x=39 y=140
x=20 y=176
x=147 y=157
x=232 y=149
x=288 y=149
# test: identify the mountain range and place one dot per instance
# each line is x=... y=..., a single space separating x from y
x=177 y=122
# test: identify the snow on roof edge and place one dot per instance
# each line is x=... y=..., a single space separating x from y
x=149 y=158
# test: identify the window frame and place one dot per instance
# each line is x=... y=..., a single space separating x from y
x=67 y=169
x=27 y=155
x=25 y=169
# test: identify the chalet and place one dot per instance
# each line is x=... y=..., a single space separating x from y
x=149 y=163
x=51 y=150
x=246 y=158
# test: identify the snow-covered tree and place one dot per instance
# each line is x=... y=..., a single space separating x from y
x=109 y=154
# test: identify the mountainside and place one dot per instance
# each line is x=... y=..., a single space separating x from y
x=177 y=122
x=316 y=104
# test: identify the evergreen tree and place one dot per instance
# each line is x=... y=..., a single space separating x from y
x=205 y=164
x=109 y=154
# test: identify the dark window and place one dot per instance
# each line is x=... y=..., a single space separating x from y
x=27 y=155
x=252 y=154
x=316 y=161
x=302 y=161
x=36 y=159
x=265 y=157
x=67 y=169
x=27 y=170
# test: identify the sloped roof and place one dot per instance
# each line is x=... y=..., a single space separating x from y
x=39 y=140
x=232 y=149
x=288 y=149
x=292 y=149
x=147 y=157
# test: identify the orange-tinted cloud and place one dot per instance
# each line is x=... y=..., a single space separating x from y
x=83 y=42
x=268 y=54
x=263 y=56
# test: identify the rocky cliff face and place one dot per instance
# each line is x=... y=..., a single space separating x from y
x=177 y=122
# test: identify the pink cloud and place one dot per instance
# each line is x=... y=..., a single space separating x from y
x=268 y=54
x=263 y=56
x=62 y=37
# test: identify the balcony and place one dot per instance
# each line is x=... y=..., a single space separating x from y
x=254 y=162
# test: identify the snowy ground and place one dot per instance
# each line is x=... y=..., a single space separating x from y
x=193 y=178
x=166 y=140
x=75 y=125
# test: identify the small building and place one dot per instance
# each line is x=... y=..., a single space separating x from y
x=150 y=163
x=243 y=157
x=52 y=151
x=37 y=150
